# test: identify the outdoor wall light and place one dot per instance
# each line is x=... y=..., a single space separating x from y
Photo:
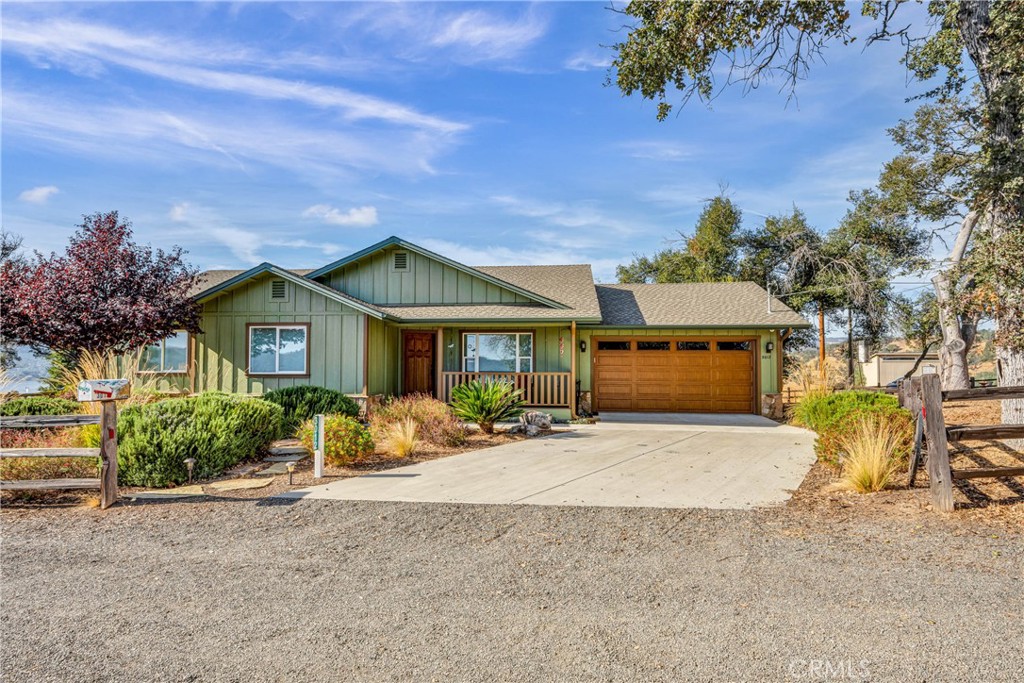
x=769 y=347
x=583 y=346
x=190 y=463
x=291 y=469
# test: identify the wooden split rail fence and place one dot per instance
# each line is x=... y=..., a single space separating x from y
x=923 y=397
x=107 y=452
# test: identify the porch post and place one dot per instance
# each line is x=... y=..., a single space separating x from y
x=439 y=364
x=572 y=370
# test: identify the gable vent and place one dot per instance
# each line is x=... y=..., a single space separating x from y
x=400 y=260
x=278 y=290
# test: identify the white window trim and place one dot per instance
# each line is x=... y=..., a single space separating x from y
x=163 y=355
x=476 y=358
x=277 y=351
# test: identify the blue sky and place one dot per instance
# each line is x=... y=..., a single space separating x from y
x=296 y=133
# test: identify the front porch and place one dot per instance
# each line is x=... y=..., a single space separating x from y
x=539 y=360
x=539 y=389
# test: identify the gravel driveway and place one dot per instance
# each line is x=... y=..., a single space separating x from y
x=342 y=591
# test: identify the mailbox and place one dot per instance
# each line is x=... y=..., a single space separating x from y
x=103 y=389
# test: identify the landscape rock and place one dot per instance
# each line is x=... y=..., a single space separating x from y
x=536 y=418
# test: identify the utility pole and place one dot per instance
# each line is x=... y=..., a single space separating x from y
x=849 y=345
x=821 y=341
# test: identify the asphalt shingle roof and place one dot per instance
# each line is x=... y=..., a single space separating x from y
x=714 y=304
x=697 y=304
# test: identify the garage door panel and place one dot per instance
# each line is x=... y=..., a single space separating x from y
x=676 y=375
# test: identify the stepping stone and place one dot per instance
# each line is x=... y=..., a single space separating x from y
x=236 y=484
x=288 y=450
x=179 y=492
x=242 y=470
x=276 y=468
x=296 y=457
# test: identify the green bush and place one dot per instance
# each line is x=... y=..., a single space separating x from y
x=487 y=402
x=303 y=402
x=218 y=430
x=831 y=444
x=435 y=419
x=345 y=440
x=835 y=416
x=40 y=405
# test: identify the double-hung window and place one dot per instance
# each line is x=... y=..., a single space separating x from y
x=497 y=352
x=278 y=349
x=168 y=355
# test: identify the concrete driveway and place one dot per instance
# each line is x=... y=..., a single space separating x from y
x=635 y=460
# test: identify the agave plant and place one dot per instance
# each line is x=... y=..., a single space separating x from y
x=487 y=402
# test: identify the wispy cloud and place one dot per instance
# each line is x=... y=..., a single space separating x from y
x=568 y=215
x=38 y=195
x=360 y=216
x=70 y=43
x=657 y=150
x=588 y=60
x=236 y=140
x=205 y=224
x=487 y=36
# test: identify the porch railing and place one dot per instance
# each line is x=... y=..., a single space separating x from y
x=540 y=389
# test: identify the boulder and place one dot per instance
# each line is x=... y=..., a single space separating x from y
x=535 y=418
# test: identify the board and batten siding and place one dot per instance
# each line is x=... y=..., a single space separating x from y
x=427 y=281
x=768 y=369
x=336 y=339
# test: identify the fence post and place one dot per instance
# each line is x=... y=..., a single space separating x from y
x=108 y=454
x=939 y=475
x=318 y=446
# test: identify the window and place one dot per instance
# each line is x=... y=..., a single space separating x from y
x=653 y=346
x=613 y=346
x=400 y=261
x=733 y=346
x=166 y=355
x=497 y=352
x=278 y=349
x=693 y=346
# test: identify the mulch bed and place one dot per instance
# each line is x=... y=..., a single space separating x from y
x=984 y=502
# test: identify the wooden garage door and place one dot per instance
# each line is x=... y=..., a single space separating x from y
x=644 y=374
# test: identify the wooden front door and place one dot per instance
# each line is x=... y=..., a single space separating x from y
x=418 y=363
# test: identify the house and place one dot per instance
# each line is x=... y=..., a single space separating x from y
x=396 y=318
x=883 y=368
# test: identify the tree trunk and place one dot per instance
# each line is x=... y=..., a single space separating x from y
x=925 y=348
x=953 y=367
x=1004 y=128
x=821 y=343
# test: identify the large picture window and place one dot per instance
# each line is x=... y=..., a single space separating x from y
x=278 y=349
x=497 y=352
x=168 y=355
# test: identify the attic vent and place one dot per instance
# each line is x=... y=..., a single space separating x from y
x=401 y=260
x=278 y=290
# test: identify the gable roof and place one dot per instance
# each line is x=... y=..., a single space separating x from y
x=409 y=246
x=696 y=304
x=225 y=281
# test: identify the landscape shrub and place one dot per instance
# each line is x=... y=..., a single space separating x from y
x=218 y=430
x=487 y=402
x=871 y=453
x=836 y=416
x=437 y=422
x=345 y=440
x=303 y=402
x=39 y=405
x=46 y=468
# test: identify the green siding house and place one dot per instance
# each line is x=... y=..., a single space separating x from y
x=396 y=318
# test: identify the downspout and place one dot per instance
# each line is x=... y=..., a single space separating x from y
x=572 y=370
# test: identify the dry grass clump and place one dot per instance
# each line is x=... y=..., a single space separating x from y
x=95 y=365
x=870 y=455
x=813 y=382
x=403 y=437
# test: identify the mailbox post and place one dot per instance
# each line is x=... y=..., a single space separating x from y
x=318 y=446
